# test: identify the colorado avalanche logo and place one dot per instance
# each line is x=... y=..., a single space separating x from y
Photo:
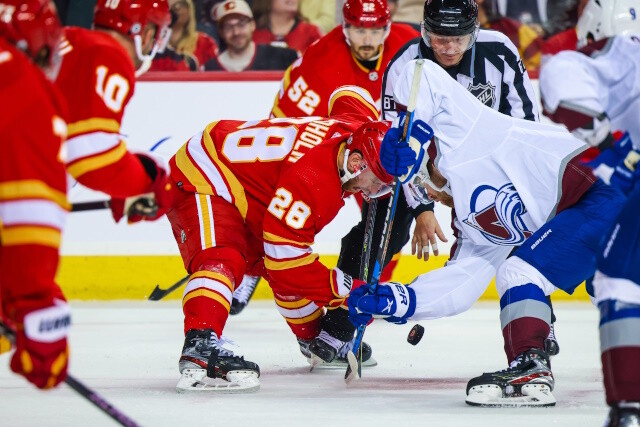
x=497 y=215
x=485 y=93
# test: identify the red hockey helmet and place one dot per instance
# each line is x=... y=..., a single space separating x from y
x=130 y=17
x=31 y=26
x=366 y=13
x=366 y=140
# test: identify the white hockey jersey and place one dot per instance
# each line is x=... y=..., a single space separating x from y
x=508 y=177
x=598 y=81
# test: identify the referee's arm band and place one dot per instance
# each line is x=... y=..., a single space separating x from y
x=422 y=208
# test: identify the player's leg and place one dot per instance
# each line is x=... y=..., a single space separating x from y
x=617 y=291
x=210 y=235
x=560 y=255
x=336 y=330
x=323 y=339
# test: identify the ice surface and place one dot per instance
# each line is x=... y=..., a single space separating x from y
x=128 y=352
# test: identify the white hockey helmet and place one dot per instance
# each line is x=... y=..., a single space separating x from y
x=607 y=18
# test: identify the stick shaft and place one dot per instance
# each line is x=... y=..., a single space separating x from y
x=388 y=221
x=83 y=390
x=91 y=206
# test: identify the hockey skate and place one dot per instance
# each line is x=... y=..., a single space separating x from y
x=624 y=414
x=206 y=366
x=527 y=382
x=551 y=346
x=243 y=294
x=327 y=352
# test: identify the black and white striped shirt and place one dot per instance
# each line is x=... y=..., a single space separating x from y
x=492 y=70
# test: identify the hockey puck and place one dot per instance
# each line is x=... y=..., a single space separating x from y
x=415 y=334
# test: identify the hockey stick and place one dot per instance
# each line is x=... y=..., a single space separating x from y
x=368 y=237
x=157 y=294
x=91 y=206
x=84 y=391
x=354 y=370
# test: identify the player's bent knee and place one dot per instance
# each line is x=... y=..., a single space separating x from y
x=516 y=272
x=227 y=261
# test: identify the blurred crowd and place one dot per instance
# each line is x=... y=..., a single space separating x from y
x=238 y=35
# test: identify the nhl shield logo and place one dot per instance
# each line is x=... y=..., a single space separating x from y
x=486 y=93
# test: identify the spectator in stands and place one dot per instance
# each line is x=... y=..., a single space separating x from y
x=320 y=12
x=188 y=49
x=185 y=39
x=236 y=27
x=204 y=19
x=280 y=23
x=409 y=12
x=564 y=40
x=525 y=38
x=530 y=12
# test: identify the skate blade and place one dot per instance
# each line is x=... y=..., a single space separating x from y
x=196 y=380
x=533 y=395
x=337 y=364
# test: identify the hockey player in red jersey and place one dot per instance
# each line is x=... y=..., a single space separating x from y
x=244 y=190
x=33 y=202
x=97 y=78
x=355 y=54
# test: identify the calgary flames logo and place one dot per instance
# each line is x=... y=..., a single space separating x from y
x=497 y=214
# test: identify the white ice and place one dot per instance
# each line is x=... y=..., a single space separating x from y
x=128 y=352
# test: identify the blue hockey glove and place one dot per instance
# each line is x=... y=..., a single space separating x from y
x=626 y=174
x=398 y=156
x=612 y=156
x=356 y=317
x=392 y=301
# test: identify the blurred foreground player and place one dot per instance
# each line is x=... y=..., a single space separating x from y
x=33 y=185
x=97 y=78
x=617 y=291
x=595 y=91
x=250 y=197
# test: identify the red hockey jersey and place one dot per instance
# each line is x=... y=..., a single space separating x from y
x=97 y=78
x=255 y=166
x=328 y=64
x=33 y=183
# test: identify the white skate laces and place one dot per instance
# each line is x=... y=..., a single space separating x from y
x=246 y=289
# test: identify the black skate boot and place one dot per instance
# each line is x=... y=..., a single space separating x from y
x=243 y=294
x=527 y=382
x=329 y=349
x=204 y=363
x=624 y=414
x=329 y=352
x=551 y=346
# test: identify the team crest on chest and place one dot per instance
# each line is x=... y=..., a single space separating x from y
x=497 y=214
x=486 y=93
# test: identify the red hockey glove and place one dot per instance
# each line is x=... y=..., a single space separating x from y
x=41 y=344
x=151 y=205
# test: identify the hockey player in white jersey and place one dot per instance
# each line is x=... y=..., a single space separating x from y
x=596 y=90
x=617 y=287
x=593 y=91
x=511 y=182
